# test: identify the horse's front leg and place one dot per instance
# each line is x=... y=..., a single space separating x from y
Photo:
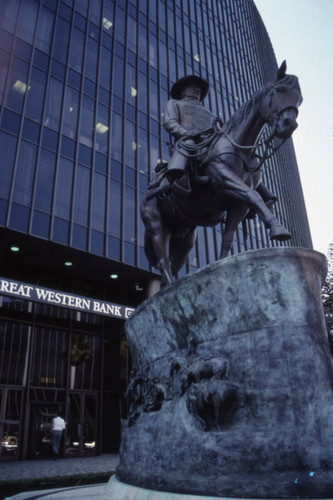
x=234 y=217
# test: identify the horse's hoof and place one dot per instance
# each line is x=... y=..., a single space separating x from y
x=279 y=232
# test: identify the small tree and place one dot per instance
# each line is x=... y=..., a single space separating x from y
x=327 y=296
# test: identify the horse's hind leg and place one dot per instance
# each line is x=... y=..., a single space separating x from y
x=180 y=247
x=234 y=217
x=157 y=239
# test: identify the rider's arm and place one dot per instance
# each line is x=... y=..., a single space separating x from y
x=171 y=120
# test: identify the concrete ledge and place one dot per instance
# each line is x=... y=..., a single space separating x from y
x=116 y=490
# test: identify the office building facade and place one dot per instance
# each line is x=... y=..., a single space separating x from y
x=83 y=84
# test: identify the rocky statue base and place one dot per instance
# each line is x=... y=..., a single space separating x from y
x=232 y=389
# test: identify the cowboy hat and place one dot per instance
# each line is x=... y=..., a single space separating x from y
x=185 y=81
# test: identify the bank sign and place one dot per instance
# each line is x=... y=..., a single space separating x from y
x=56 y=298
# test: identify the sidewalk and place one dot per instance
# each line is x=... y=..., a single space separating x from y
x=48 y=468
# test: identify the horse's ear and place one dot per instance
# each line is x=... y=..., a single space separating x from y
x=282 y=71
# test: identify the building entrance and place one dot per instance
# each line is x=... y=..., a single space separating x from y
x=40 y=430
x=10 y=411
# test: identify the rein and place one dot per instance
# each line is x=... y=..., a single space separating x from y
x=268 y=152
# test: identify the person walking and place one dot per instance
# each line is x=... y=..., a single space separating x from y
x=58 y=426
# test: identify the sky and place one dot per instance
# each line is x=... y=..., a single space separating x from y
x=301 y=31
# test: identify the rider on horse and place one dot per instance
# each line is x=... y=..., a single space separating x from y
x=186 y=118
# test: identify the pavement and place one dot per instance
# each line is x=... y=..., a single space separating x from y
x=48 y=468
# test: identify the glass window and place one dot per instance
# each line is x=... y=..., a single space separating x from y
x=4 y=61
x=117 y=137
x=25 y=173
x=61 y=40
x=120 y=24
x=102 y=128
x=153 y=100
x=163 y=59
x=7 y=158
x=79 y=238
x=87 y=121
x=131 y=85
x=63 y=193
x=22 y=49
x=41 y=60
x=81 y=196
x=114 y=248
x=101 y=163
x=98 y=202
x=40 y=224
x=105 y=68
x=17 y=85
x=70 y=116
x=95 y=11
x=85 y=155
x=35 y=97
x=50 y=139
x=82 y=6
x=97 y=242
x=45 y=180
x=19 y=217
x=44 y=30
x=129 y=253
x=27 y=20
x=60 y=231
x=131 y=34
x=130 y=144
x=153 y=50
x=9 y=14
x=76 y=50
x=129 y=210
x=114 y=208
x=142 y=42
x=53 y=103
x=118 y=76
x=31 y=130
x=67 y=147
x=10 y=121
x=91 y=59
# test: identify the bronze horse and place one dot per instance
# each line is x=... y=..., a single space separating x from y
x=225 y=180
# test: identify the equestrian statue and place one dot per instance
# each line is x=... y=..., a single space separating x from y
x=214 y=171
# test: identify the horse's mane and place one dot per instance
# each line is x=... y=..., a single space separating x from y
x=245 y=109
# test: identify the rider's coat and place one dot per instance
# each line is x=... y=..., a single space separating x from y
x=183 y=117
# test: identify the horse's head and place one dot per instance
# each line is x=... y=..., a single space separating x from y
x=280 y=102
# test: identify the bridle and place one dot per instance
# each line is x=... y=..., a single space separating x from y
x=269 y=149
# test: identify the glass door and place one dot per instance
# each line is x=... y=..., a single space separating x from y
x=10 y=411
x=82 y=424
